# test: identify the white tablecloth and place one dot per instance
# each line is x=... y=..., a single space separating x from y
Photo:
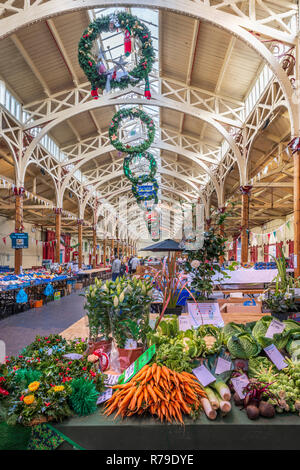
x=247 y=276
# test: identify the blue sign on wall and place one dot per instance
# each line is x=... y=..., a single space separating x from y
x=19 y=240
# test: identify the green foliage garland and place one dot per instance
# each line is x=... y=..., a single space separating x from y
x=110 y=23
x=142 y=178
x=131 y=113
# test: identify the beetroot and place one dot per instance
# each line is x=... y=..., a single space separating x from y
x=252 y=412
x=266 y=409
x=237 y=400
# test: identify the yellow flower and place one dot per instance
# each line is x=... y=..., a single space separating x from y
x=33 y=386
x=29 y=399
x=58 y=388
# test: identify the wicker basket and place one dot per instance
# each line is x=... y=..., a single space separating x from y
x=40 y=420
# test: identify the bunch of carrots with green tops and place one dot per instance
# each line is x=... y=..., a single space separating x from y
x=159 y=391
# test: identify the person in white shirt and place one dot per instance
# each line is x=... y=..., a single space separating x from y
x=134 y=263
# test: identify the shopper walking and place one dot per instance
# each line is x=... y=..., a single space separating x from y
x=129 y=265
x=115 y=268
x=134 y=263
x=123 y=268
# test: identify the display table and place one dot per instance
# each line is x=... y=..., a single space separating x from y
x=87 y=276
x=235 y=431
x=247 y=276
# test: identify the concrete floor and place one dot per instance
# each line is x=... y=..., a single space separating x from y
x=17 y=331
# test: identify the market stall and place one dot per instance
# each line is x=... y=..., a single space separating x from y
x=196 y=377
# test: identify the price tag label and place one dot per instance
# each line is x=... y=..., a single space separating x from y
x=184 y=323
x=275 y=356
x=72 y=356
x=111 y=379
x=129 y=372
x=204 y=376
x=239 y=383
x=222 y=366
x=275 y=327
x=104 y=396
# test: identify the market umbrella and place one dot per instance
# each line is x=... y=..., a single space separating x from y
x=165 y=245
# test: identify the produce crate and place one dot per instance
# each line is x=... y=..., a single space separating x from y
x=239 y=313
x=36 y=303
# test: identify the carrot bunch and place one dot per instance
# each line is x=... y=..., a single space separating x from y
x=159 y=391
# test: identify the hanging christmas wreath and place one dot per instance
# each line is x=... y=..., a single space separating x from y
x=137 y=158
x=97 y=70
x=147 y=192
x=132 y=113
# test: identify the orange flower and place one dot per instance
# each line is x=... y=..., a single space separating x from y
x=29 y=399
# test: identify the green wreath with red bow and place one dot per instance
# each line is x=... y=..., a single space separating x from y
x=131 y=113
x=96 y=68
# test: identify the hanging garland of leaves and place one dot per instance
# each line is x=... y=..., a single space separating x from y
x=141 y=178
x=116 y=77
x=131 y=113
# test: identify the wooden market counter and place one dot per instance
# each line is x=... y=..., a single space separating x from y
x=233 y=432
x=86 y=276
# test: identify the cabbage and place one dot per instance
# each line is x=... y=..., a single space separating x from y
x=168 y=326
x=243 y=346
x=291 y=325
x=204 y=333
x=232 y=329
x=279 y=339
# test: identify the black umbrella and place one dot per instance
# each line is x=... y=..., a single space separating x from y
x=165 y=245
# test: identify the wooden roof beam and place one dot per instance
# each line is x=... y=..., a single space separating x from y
x=30 y=63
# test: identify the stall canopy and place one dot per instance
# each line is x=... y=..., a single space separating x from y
x=165 y=245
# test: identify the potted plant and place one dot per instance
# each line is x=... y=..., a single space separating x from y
x=171 y=284
x=281 y=301
x=130 y=318
x=203 y=264
x=280 y=304
x=98 y=305
x=130 y=336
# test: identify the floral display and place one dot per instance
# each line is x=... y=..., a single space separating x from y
x=37 y=385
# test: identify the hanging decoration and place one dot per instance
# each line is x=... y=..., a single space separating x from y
x=146 y=192
x=137 y=158
x=131 y=113
x=152 y=219
x=95 y=68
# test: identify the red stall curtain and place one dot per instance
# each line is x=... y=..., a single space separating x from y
x=68 y=249
x=291 y=247
x=49 y=246
x=278 y=249
x=253 y=254
x=266 y=253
